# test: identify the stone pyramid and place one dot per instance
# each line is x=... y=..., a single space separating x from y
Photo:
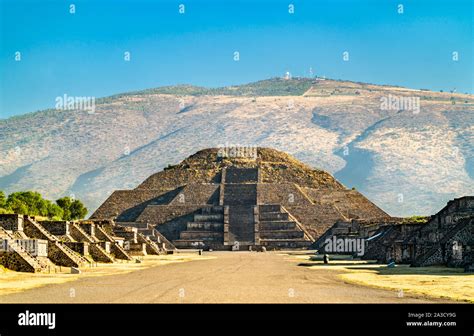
x=236 y=198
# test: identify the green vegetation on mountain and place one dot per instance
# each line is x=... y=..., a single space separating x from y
x=268 y=87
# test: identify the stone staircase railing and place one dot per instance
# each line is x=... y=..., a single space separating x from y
x=99 y=254
x=79 y=234
x=77 y=258
x=33 y=262
x=151 y=247
x=34 y=229
x=119 y=252
x=105 y=235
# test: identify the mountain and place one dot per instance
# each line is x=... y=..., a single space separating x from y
x=407 y=160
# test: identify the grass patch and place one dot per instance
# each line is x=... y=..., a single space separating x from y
x=435 y=282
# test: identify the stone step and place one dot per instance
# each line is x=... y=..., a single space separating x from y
x=205 y=226
x=62 y=255
x=33 y=264
x=241 y=223
x=277 y=225
x=269 y=216
x=240 y=194
x=209 y=218
x=119 y=252
x=201 y=235
x=80 y=235
x=35 y=230
x=215 y=209
x=99 y=254
x=282 y=234
x=147 y=232
x=269 y=208
x=151 y=246
x=285 y=243
x=138 y=225
x=241 y=175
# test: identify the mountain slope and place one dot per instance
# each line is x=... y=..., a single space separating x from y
x=406 y=162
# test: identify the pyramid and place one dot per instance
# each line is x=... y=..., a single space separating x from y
x=236 y=198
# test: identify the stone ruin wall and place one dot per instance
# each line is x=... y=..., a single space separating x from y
x=12 y=222
x=169 y=220
x=194 y=193
x=125 y=199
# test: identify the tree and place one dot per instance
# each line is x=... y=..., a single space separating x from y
x=72 y=208
x=55 y=211
x=17 y=206
x=65 y=204
x=33 y=204
x=28 y=203
x=3 y=200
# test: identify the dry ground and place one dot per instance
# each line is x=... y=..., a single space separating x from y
x=226 y=277
x=14 y=282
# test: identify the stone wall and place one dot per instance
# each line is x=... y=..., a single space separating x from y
x=351 y=203
x=15 y=262
x=11 y=222
x=118 y=252
x=98 y=253
x=197 y=194
x=440 y=225
x=57 y=256
x=128 y=233
x=57 y=228
x=169 y=220
x=136 y=249
x=89 y=228
x=126 y=205
x=79 y=247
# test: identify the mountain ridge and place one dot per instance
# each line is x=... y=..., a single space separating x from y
x=131 y=136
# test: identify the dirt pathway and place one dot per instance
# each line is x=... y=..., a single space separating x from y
x=231 y=277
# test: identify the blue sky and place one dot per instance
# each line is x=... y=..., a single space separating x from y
x=82 y=54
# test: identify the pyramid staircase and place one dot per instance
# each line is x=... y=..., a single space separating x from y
x=239 y=195
x=239 y=222
x=96 y=251
x=117 y=250
x=80 y=235
x=59 y=253
x=33 y=264
x=279 y=229
x=151 y=246
x=205 y=231
x=156 y=237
